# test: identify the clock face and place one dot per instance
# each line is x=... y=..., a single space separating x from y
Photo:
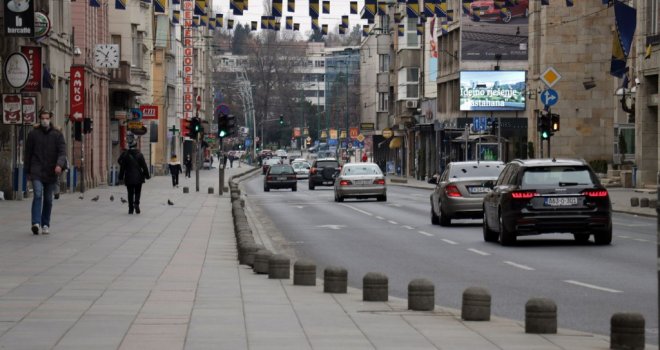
x=106 y=56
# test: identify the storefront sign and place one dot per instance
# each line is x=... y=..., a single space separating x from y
x=387 y=133
x=19 y=18
x=11 y=109
x=29 y=110
x=33 y=54
x=367 y=126
x=17 y=70
x=77 y=93
x=149 y=112
x=42 y=25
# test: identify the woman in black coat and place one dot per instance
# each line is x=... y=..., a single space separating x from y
x=133 y=171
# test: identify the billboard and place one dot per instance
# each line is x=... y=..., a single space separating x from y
x=494 y=30
x=492 y=90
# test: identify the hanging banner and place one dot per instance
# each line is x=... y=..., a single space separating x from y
x=29 y=110
x=33 y=54
x=77 y=93
x=11 y=109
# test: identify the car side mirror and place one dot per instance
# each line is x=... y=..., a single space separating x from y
x=490 y=184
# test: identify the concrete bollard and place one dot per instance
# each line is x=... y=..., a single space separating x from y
x=186 y=189
x=476 y=304
x=251 y=254
x=634 y=202
x=210 y=190
x=421 y=295
x=627 y=331
x=375 y=287
x=278 y=267
x=261 y=258
x=335 y=280
x=304 y=273
x=540 y=316
x=653 y=203
x=644 y=202
x=245 y=250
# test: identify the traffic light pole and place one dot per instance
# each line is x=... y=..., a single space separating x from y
x=221 y=169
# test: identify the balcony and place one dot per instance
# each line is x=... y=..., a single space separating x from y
x=121 y=75
x=126 y=78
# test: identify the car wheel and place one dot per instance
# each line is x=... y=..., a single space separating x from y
x=382 y=198
x=435 y=220
x=340 y=199
x=603 y=237
x=294 y=188
x=581 y=237
x=266 y=189
x=444 y=219
x=506 y=238
x=489 y=235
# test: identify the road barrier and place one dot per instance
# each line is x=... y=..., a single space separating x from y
x=304 y=273
x=279 y=266
x=476 y=304
x=335 y=280
x=627 y=331
x=421 y=295
x=375 y=287
x=634 y=201
x=261 y=261
x=540 y=316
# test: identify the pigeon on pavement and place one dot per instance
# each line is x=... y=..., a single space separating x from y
x=169 y=202
x=81 y=197
x=122 y=200
x=95 y=199
x=112 y=198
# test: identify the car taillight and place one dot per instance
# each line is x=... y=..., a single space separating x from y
x=312 y=171
x=452 y=191
x=344 y=183
x=271 y=177
x=379 y=182
x=595 y=193
x=291 y=177
x=523 y=195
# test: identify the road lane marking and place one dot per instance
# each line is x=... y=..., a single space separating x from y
x=478 y=252
x=332 y=227
x=624 y=236
x=448 y=241
x=392 y=222
x=640 y=240
x=426 y=233
x=593 y=286
x=380 y=218
x=520 y=266
x=358 y=210
x=408 y=227
x=395 y=205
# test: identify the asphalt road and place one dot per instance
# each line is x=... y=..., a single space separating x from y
x=589 y=283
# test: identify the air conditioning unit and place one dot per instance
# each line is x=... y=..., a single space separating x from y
x=411 y=104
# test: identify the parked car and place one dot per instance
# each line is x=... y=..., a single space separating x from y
x=360 y=180
x=302 y=169
x=268 y=163
x=280 y=176
x=323 y=172
x=459 y=191
x=486 y=10
x=537 y=196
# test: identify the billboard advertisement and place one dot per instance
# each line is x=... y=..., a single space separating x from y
x=492 y=29
x=492 y=90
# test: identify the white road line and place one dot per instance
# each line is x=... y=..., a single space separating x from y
x=593 y=286
x=358 y=210
x=380 y=218
x=623 y=236
x=478 y=252
x=448 y=241
x=395 y=205
x=640 y=240
x=392 y=222
x=426 y=233
x=408 y=227
x=524 y=267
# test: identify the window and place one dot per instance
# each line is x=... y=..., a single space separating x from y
x=319 y=63
x=408 y=83
x=384 y=63
x=383 y=101
x=654 y=17
x=412 y=39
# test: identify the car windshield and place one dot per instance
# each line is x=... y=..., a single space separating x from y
x=557 y=176
x=476 y=170
x=327 y=164
x=362 y=170
x=300 y=165
x=281 y=169
x=272 y=161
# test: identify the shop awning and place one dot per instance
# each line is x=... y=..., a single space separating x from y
x=396 y=142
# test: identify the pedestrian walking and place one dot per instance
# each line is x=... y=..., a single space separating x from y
x=188 y=164
x=45 y=159
x=225 y=158
x=175 y=170
x=133 y=170
x=231 y=161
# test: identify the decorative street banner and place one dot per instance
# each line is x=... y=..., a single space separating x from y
x=77 y=93
x=29 y=110
x=188 y=8
x=19 y=18
x=488 y=31
x=33 y=54
x=11 y=109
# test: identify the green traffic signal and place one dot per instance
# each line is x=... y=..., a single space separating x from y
x=281 y=120
x=545 y=134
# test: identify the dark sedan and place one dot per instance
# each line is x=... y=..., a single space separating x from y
x=280 y=176
x=537 y=196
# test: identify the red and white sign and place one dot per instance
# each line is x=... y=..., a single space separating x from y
x=77 y=93
x=149 y=112
x=29 y=110
x=33 y=54
x=198 y=102
x=188 y=7
x=11 y=109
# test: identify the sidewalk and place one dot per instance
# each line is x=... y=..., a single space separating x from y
x=169 y=279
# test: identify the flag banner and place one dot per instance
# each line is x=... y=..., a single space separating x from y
x=291 y=5
x=397 y=17
x=569 y=3
x=324 y=29
x=365 y=30
x=120 y=4
x=315 y=24
x=412 y=9
x=203 y=20
x=239 y=6
x=344 y=21
x=219 y=20
x=382 y=9
x=545 y=2
x=466 y=6
x=276 y=24
x=326 y=7
x=401 y=1
x=200 y=7
x=314 y=8
x=264 y=22
x=289 y=23
x=444 y=28
x=146 y=1
x=176 y=2
x=195 y=21
x=450 y=15
x=276 y=9
x=176 y=16
x=441 y=11
x=232 y=4
x=230 y=24
x=253 y=25
x=212 y=23
x=342 y=30
x=429 y=8
x=420 y=29
x=354 y=7
x=625 y=20
x=245 y=5
x=296 y=26
x=94 y=3
x=159 y=6
x=271 y=22
x=401 y=29
x=369 y=10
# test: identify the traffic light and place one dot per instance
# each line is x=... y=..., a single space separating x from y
x=193 y=126
x=281 y=120
x=197 y=126
x=543 y=125
x=231 y=124
x=554 y=122
x=226 y=125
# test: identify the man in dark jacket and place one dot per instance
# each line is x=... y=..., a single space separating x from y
x=45 y=159
x=133 y=171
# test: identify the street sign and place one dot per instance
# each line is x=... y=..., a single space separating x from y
x=149 y=112
x=360 y=137
x=387 y=133
x=550 y=77
x=549 y=97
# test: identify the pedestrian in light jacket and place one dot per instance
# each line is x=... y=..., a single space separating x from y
x=45 y=159
x=175 y=170
x=133 y=171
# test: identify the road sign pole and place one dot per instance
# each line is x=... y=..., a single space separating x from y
x=221 y=169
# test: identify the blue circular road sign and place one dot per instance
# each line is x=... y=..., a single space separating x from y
x=549 y=97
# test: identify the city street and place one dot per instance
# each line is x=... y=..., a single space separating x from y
x=589 y=283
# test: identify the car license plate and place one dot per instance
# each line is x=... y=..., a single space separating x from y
x=561 y=201
x=327 y=182
x=481 y=13
x=478 y=189
x=281 y=178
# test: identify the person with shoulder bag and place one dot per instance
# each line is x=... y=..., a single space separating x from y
x=133 y=171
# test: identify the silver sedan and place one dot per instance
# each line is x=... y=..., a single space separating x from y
x=360 y=180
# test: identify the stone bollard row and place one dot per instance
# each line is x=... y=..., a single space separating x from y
x=421 y=295
x=246 y=253
x=304 y=273
x=335 y=280
x=644 y=202
x=375 y=287
x=540 y=316
x=476 y=304
x=634 y=202
x=653 y=203
x=261 y=258
x=279 y=267
x=627 y=331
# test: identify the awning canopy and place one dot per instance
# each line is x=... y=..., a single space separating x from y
x=396 y=142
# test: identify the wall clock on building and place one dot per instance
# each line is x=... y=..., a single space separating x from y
x=106 y=56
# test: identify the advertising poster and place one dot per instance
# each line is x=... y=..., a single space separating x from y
x=77 y=92
x=431 y=52
x=492 y=90
x=492 y=29
x=29 y=110
x=19 y=18
x=11 y=109
x=33 y=54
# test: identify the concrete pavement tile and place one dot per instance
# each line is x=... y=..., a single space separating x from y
x=35 y=334
x=447 y=332
x=155 y=336
x=96 y=333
